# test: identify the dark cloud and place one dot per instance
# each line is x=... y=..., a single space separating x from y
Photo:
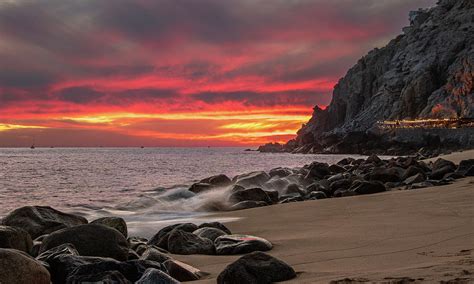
x=262 y=99
x=79 y=95
x=10 y=78
x=202 y=42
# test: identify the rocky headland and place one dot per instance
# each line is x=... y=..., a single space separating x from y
x=425 y=73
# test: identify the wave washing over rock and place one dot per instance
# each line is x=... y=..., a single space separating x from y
x=427 y=72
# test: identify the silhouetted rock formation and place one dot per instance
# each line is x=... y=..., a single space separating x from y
x=425 y=72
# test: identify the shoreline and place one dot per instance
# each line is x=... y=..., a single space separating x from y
x=323 y=243
x=407 y=232
x=425 y=233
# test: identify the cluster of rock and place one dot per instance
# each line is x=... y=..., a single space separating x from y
x=427 y=72
x=318 y=180
x=43 y=245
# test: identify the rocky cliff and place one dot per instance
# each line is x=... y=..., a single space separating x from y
x=425 y=72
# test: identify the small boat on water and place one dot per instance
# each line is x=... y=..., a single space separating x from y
x=32 y=146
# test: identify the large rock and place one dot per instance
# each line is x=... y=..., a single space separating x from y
x=90 y=240
x=442 y=163
x=415 y=179
x=62 y=265
x=200 y=187
x=154 y=254
x=367 y=187
x=181 y=242
x=439 y=173
x=156 y=276
x=17 y=267
x=239 y=244
x=251 y=194
x=160 y=239
x=64 y=249
x=40 y=220
x=465 y=165
x=216 y=225
x=318 y=170
x=209 y=233
x=411 y=171
x=280 y=172
x=218 y=180
x=256 y=267
x=182 y=271
x=15 y=238
x=120 y=272
x=393 y=174
x=252 y=179
x=117 y=223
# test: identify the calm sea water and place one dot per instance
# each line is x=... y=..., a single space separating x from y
x=136 y=184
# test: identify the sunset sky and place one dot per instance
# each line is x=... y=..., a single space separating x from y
x=178 y=72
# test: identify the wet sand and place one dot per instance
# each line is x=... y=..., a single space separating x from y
x=424 y=234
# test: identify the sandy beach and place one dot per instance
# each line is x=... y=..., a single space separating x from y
x=425 y=234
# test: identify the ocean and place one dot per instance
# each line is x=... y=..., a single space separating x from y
x=145 y=186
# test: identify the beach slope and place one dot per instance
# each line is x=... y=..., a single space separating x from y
x=425 y=234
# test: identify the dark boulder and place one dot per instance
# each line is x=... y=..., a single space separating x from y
x=420 y=177
x=209 y=233
x=439 y=173
x=442 y=163
x=341 y=184
x=154 y=254
x=18 y=267
x=465 y=165
x=62 y=265
x=251 y=194
x=182 y=271
x=135 y=242
x=239 y=244
x=102 y=277
x=256 y=268
x=336 y=169
x=181 y=242
x=469 y=172
x=317 y=186
x=90 y=240
x=117 y=223
x=200 y=187
x=317 y=195
x=273 y=195
x=318 y=170
x=393 y=174
x=345 y=161
x=367 y=187
x=94 y=272
x=411 y=171
x=40 y=220
x=373 y=159
x=252 y=179
x=156 y=276
x=280 y=172
x=160 y=239
x=216 y=225
x=64 y=249
x=218 y=180
x=15 y=238
x=293 y=188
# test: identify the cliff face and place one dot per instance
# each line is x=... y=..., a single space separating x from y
x=425 y=72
